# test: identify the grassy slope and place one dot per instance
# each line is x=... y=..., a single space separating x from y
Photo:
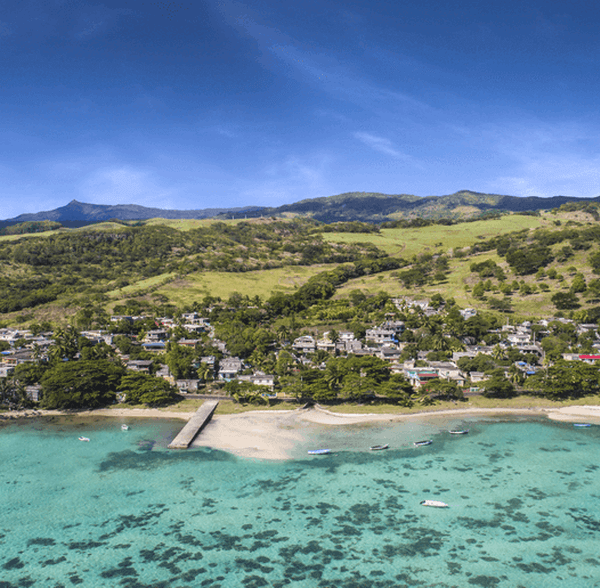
x=398 y=242
x=437 y=238
x=258 y=283
x=440 y=239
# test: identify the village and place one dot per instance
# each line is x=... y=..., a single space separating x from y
x=458 y=363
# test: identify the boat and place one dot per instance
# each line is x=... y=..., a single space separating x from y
x=582 y=425
x=379 y=447
x=124 y=428
x=83 y=439
x=422 y=443
x=435 y=503
x=459 y=432
x=319 y=451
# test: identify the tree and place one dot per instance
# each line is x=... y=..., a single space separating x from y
x=180 y=360
x=578 y=284
x=398 y=389
x=565 y=300
x=13 y=395
x=66 y=344
x=81 y=384
x=142 y=388
x=445 y=389
x=571 y=379
x=498 y=387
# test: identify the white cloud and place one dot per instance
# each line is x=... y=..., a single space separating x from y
x=291 y=179
x=124 y=185
x=385 y=146
x=545 y=159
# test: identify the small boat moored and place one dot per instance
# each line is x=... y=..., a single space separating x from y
x=83 y=439
x=459 y=432
x=379 y=447
x=582 y=425
x=124 y=427
x=422 y=443
x=319 y=451
x=435 y=503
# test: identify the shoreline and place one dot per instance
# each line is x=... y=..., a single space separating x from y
x=274 y=435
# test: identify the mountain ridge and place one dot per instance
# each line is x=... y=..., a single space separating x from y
x=349 y=206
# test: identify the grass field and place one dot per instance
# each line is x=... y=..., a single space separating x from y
x=261 y=283
x=436 y=238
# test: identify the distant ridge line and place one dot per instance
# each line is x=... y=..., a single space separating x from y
x=371 y=207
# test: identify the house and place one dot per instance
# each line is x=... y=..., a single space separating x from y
x=519 y=339
x=346 y=336
x=396 y=326
x=478 y=377
x=305 y=344
x=349 y=346
x=156 y=335
x=381 y=336
x=187 y=386
x=326 y=344
x=165 y=373
x=18 y=357
x=140 y=365
x=154 y=346
x=193 y=318
x=189 y=342
x=587 y=328
x=389 y=353
x=230 y=367
x=192 y=328
x=6 y=370
x=259 y=379
x=117 y=318
x=591 y=359
x=34 y=392
x=447 y=370
x=468 y=313
x=420 y=376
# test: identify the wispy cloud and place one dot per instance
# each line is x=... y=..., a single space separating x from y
x=546 y=159
x=124 y=184
x=290 y=179
x=385 y=146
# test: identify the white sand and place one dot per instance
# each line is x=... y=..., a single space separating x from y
x=274 y=434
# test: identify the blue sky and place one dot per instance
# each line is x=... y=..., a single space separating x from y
x=224 y=103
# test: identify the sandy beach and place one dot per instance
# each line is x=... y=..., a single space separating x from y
x=274 y=434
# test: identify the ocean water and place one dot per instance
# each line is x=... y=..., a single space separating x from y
x=123 y=510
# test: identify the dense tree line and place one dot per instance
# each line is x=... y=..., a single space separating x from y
x=43 y=269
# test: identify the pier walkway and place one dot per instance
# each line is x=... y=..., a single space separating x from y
x=194 y=425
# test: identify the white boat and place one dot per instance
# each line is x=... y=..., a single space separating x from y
x=319 y=451
x=379 y=447
x=435 y=503
x=582 y=425
x=460 y=432
x=422 y=443
x=124 y=428
x=83 y=439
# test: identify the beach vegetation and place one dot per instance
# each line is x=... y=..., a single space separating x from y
x=139 y=388
x=81 y=384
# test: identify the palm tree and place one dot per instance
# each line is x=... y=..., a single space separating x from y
x=497 y=353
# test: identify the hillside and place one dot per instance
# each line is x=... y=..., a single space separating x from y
x=79 y=213
x=516 y=265
x=377 y=208
x=349 y=207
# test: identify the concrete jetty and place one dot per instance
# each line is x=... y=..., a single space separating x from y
x=194 y=425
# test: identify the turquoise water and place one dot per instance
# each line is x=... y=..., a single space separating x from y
x=123 y=510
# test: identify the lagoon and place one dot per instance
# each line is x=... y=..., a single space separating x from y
x=123 y=510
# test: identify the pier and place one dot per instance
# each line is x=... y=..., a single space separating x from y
x=194 y=425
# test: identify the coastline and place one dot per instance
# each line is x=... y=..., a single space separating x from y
x=273 y=435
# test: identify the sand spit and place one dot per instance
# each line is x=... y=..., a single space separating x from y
x=274 y=434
